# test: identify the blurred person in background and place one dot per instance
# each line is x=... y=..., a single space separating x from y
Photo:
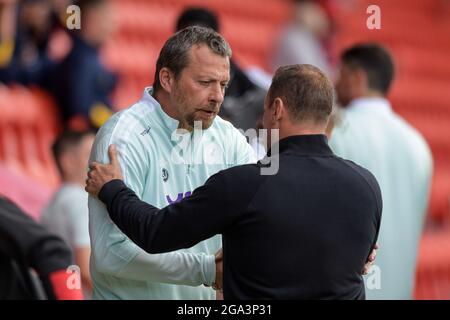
x=81 y=83
x=303 y=40
x=30 y=42
x=371 y=134
x=26 y=249
x=67 y=214
x=60 y=9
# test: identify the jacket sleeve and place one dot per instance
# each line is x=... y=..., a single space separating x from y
x=113 y=253
x=32 y=246
x=180 y=225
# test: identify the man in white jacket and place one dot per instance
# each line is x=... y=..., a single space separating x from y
x=163 y=161
x=373 y=136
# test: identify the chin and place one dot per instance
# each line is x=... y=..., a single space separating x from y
x=206 y=123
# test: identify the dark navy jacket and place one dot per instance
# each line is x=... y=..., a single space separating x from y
x=81 y=81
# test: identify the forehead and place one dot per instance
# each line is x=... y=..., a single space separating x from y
x=203 y=62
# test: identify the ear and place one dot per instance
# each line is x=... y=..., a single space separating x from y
x=166 y=78
x=278 y=109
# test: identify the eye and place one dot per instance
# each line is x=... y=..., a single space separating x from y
x=204 y=82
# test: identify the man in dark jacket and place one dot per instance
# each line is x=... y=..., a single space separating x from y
x=304 y=232
x=27 y=248
x=81 y=83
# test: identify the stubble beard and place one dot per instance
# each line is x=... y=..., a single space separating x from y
x=187 y=121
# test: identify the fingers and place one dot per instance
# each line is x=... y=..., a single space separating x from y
x=373 y=254
x=367 y=267
x=95 y=166
x=370 y=260
x=112 y=152
x=88 y=187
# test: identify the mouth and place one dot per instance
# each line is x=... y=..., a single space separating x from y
x=207 y=113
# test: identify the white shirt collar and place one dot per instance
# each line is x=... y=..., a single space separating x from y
x=369 y=103
x=147 y=98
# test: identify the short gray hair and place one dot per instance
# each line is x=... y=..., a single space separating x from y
x=174 y=53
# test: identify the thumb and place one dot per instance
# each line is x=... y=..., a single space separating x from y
x=112 y=152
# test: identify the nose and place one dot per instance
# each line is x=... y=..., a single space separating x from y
x=217 y=94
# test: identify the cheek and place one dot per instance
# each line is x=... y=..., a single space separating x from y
x=341 y=86
x=200 y=95
x=190 y=94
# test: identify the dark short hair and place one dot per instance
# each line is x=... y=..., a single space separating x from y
x=88 y=4
x=174 y=54
x=306 y=91
x=375 y=60
x=66 y=140
x=197 y=16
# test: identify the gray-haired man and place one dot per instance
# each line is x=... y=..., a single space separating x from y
x=163 y=163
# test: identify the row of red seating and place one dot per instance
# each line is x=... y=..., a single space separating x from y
x=266 y=10
x=433 y=267
x=28 y=124
x=426 y=27
x=131 y=58
x=249 y=34
x=28 y=194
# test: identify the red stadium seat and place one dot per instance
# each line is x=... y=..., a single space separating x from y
x=24 y=142
x=433 y=268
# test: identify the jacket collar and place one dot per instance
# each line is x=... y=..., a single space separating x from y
x=147 y=98
x=315 y=144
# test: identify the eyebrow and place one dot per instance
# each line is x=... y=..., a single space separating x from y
x=212 y=79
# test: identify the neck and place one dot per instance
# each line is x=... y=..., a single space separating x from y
x=370 y=94
x=294 y=131
x=164 y=101
x=298 y=130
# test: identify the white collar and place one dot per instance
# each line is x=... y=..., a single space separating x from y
x=169 y=122
x=365 y=103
